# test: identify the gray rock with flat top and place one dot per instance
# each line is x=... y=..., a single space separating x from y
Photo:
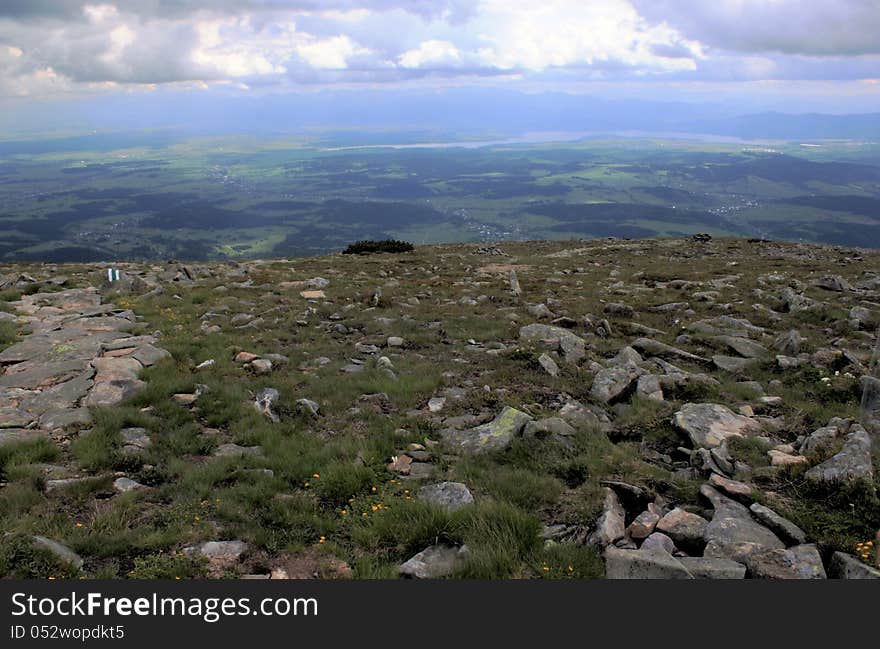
x=643 y=564
x=709 y=424
x=853 y=462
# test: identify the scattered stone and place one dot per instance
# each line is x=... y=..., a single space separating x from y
x=261 y=366
x=789 y=343
x=662 y=350
x=844 y=566
x=614 y=383
x=685 y=529
x=307 y=407
x=265 y=401
x=782 y=527
x=549 y=365
x=435 y=404
x=124 y=485
x=659 y=541
x=234 y=450
x=733 y=488
x=450 y=496
x=780 y=458
x=60 y=550
x=434 y=562
x=643 y=525
x=611 y=526
x=400 y=464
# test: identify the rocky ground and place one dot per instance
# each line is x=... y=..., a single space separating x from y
x=686 y=409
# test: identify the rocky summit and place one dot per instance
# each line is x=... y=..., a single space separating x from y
x=677 y=409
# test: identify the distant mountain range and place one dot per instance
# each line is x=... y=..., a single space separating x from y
x=455 y=111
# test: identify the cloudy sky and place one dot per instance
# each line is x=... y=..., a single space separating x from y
x=810 y=53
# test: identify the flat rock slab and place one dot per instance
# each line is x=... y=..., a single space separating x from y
x=708 y=424
x=713 y=568
x=116 y=369
x=42 y=374
x=148 y=355
x=743 y=346
x=643 y=564
x=652 y=347
x=112 y=393
x=16 y=435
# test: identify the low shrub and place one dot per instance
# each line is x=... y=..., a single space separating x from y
x=369 y=246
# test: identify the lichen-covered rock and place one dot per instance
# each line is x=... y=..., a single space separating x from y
x=494 y=436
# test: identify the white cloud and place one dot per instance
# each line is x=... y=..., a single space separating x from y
x=431 y=53
x=561 y=33
x=281 y=43
x=330 y=53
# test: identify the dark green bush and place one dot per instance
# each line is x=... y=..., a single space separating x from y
x=369 y=246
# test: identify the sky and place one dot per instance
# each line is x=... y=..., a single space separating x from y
x=790 y=55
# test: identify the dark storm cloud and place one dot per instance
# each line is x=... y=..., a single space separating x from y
x=810 y=27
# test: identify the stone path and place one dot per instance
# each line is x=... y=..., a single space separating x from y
x=79 y=352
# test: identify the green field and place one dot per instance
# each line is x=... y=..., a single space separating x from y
x=91 y=199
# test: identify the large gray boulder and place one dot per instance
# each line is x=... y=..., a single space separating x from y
x=798 y=562
x=708 y=424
